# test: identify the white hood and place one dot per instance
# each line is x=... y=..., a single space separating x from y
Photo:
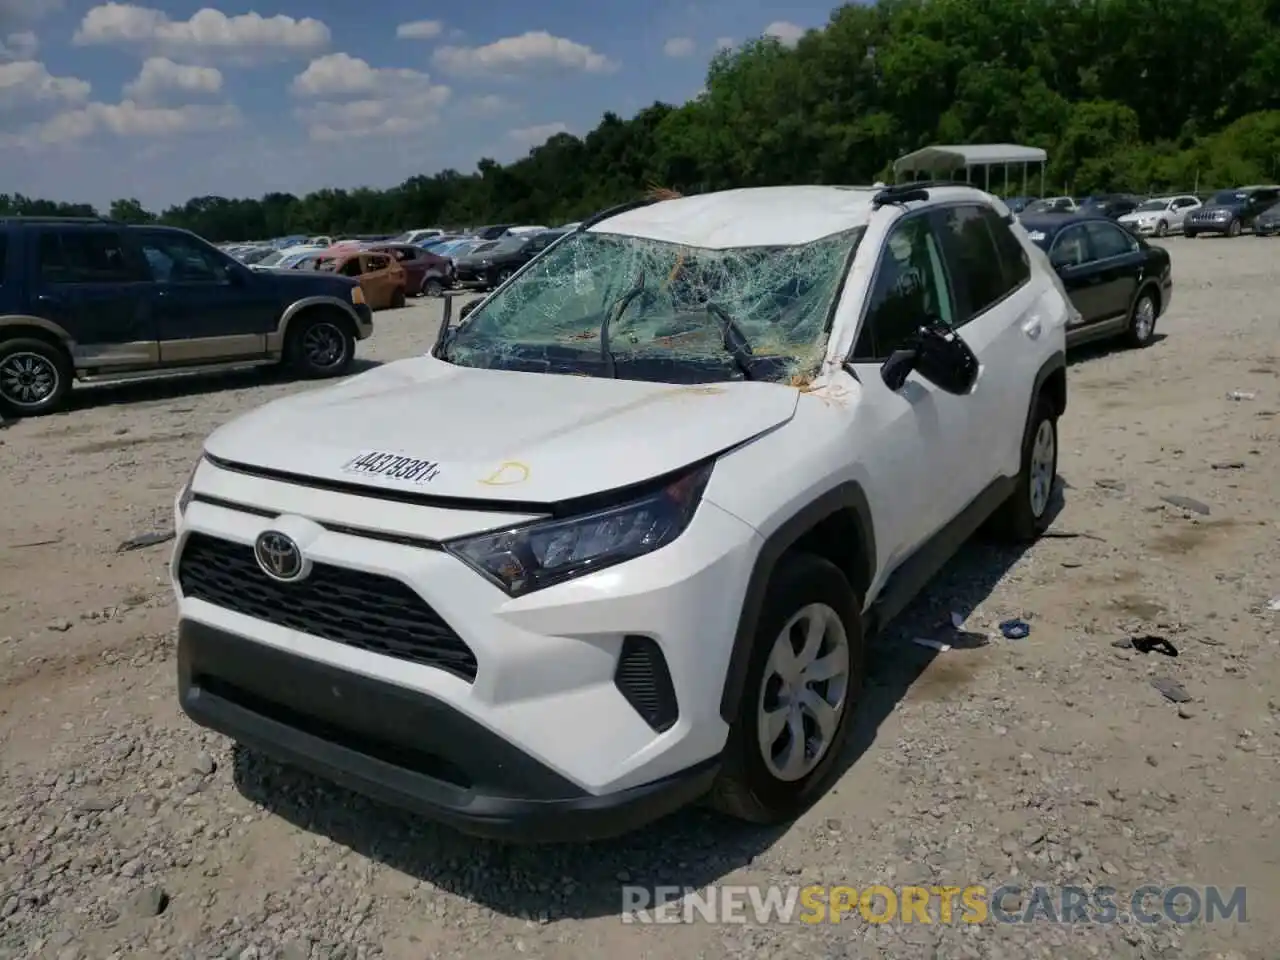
x=497 y=435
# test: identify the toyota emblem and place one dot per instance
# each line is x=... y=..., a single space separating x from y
x=279 y=557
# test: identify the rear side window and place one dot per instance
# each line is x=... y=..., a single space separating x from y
x=84 y=256
x=987 y=262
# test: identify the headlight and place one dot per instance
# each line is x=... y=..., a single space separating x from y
x=357 y=294
x=185 y=495
x=524 y=559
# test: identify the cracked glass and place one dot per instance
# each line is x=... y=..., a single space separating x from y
x=760 y=312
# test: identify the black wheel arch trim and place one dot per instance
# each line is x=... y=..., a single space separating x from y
x=1056 y=363
x=846 y=496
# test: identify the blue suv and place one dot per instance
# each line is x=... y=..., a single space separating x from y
x=93 y=298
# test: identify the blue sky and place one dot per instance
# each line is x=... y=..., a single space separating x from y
x=166 y=101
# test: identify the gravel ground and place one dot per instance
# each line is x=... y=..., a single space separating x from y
x=127 y=832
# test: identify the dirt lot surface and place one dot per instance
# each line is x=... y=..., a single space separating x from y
x=125 y=831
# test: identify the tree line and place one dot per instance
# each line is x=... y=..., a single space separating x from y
x=1124 y=95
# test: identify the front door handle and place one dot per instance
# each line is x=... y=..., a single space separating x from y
x=49 y=298
x=1033 y=327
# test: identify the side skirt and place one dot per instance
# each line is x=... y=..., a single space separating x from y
x=914 y=573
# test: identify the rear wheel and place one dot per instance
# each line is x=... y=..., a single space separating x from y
x=397 y=299
x=802 y=687
x=321 y=344
x=35 y=377
x=1142 y=322
x=1025 y=515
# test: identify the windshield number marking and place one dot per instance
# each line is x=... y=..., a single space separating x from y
x=374 y=463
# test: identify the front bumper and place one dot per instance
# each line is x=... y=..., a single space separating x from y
x=541 y=674
x=1206 y=226
x=1266 y=228
x=402 y=748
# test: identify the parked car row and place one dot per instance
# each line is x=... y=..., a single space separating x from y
x=1228 y=212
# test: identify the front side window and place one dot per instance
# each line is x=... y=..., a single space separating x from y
x=1070 y=248
x=910 y=291
x=670 y=307
x=174 y=258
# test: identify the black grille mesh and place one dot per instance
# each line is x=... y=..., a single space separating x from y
x=643 y=678
x=363 y=610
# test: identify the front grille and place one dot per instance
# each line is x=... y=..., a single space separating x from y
x=643 y=678
x=363 y=610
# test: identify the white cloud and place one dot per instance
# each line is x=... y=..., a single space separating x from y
x=125 y=119
x=160 y=76
x=208 y=33
x=25 y=83
x=389 y=101
x=533 y=50
x=788 y=34
x=342 y=75
x=537 y=135
x=19 y=46
x=420 y=30
x=725 y=43
x=678 y=47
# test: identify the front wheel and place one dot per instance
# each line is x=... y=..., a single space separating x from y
x=802 y=687
x=432 y=287
x=1142 y=322
x=1233 y=228
x=320 y=345
x=35 y=377
x=1190 y=234
x=1025 y=515
x=1162 y=229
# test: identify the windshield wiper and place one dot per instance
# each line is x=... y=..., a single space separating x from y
x=735 y=341
x=606 y=355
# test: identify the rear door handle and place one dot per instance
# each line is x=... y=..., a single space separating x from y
x=48 y=298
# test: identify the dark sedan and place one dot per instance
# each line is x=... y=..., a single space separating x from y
x=1268 y=222
x=1113 y=206
x=490 y=266
x=1118 y=282
x=1230 y=211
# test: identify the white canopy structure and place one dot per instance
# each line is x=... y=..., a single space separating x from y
x=938 y=162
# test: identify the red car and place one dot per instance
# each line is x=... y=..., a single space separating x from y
x=425 y=273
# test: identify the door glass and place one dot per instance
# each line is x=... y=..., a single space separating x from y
x=351 y=268
x=910 y=290
x=976 y=260
x=1071 y=249
x=1108 y=241
x=84 y=256
x=175 y=259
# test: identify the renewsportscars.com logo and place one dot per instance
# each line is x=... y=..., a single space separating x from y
x=974 y=904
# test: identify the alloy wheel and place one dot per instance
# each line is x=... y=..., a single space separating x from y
x=27 y=379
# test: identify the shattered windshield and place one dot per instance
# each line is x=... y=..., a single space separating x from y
x=667 y=306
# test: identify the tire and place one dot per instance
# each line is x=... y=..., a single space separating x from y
x=432 y=287
x=321 y=344
x=1189 y=234
x=35 y=377
x=1025 y=515
x=1162 y=229
x=397 y=299
x=1233 y=228
x=1142 y=321
x=500 y=277
x=764 y=791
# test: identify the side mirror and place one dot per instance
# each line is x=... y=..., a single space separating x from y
x=939 y=356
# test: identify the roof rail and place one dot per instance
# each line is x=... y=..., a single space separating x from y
x=914 y=190
x=608 y=212
x=36 y=218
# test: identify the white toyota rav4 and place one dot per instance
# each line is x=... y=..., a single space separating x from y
x=617 y=542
